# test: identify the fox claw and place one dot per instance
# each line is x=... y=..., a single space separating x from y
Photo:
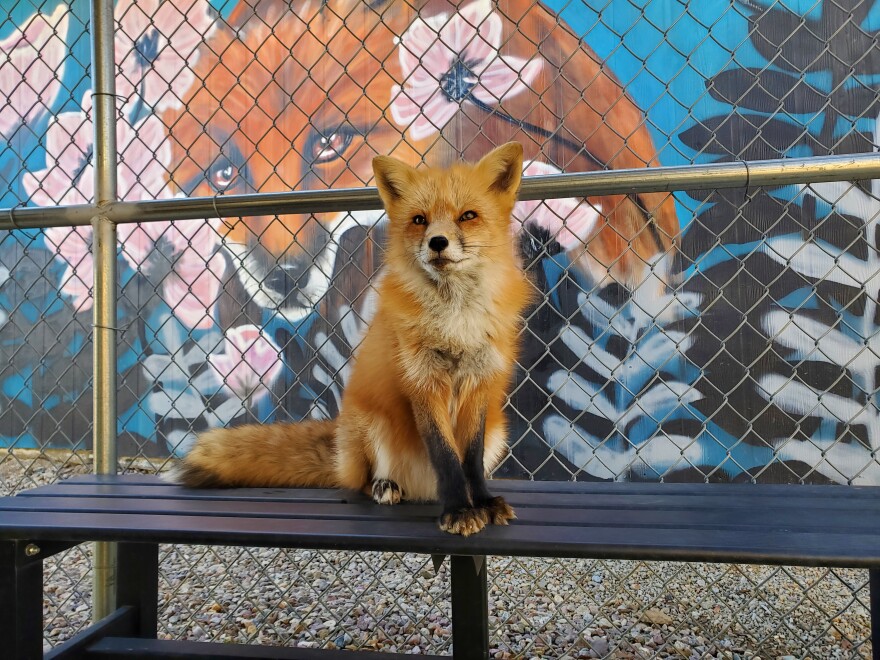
x=465 y=521
x=497 y=511
x=386 y=491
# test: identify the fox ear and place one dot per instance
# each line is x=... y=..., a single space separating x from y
x=393 y=178
x=503 y=167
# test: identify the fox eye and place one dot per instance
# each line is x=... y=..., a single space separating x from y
x=222 y=174
x=467 y=215
x=325 y=148
x=419 y=220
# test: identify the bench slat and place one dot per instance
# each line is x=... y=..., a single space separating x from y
x=807 y=502
x=698 y=514
x=579 y=487
x=620 y=542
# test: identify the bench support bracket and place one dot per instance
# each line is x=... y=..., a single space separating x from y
x=138 y=583
x=470 y=608
x=21 y=590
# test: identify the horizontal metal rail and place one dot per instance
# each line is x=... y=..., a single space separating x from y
x=741 y=174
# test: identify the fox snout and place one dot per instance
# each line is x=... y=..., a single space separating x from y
x=438 y=243
x=288 y=277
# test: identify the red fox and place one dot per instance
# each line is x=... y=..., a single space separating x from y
x=421 y=417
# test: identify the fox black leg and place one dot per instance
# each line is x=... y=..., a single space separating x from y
x=498 y=512
x=459 y=515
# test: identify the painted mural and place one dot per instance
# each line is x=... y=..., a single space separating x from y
x=723 y=335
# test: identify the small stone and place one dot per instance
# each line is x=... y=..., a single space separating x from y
x=599 y=645
x=656 y=617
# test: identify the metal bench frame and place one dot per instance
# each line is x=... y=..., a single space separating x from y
x=761 y=524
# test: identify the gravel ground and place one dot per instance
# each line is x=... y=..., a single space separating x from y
x=539 y=608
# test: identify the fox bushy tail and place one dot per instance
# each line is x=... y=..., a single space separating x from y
x=272 y=456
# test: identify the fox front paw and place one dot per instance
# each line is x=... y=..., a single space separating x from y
x=386 y=491
x=465 y=521
x=497 y=510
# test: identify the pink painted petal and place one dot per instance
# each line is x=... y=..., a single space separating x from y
x=407 y=104
x=249 y=363
x=72 y=244
x=522 y=211
x=476 y=28
x=474 y=46
x=137 y=243
x=506 y=77
x=425 y=118
x=145 y=157
x=31 y=67
x=188 y=301
x=579 y=227
x=222 y=364
x=569 y=222
x=53 y=186
x=193 y=238
x=435 y=62
x=191 y=289
x=77 y=283
x=436 y=113
x=69 y=141
x=175 y=29
x=414 y=44
x=404 y=109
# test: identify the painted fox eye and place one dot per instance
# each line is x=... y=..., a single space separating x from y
x=467 y=215
x=327 y=148
x=419 y=220
x=222 y=174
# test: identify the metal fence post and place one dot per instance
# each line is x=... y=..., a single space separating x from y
x=104 y=249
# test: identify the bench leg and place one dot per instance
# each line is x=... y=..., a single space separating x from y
x=21 y=592
x=137 y=583
x=470 y=609
x=874 y=586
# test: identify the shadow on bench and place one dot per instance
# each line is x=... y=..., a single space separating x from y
x=829 y=526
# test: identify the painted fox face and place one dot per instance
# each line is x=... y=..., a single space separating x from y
x=279 y=105
x=305 y=99
x=448 y=221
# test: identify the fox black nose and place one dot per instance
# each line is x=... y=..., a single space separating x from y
x=438 y=243
x=287 y=278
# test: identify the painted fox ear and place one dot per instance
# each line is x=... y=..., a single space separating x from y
x=503 y=166
x=393 y=178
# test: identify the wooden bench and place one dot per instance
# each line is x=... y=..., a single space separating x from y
x=789 y=525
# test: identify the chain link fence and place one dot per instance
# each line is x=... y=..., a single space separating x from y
x=708 y=335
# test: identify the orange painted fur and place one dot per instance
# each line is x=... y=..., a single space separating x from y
x=421 y=416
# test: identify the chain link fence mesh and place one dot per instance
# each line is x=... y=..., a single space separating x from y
x=725 y=335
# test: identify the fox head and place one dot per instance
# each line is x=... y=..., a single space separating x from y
x=450 y=222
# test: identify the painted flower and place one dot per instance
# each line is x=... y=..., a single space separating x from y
x=31 y=66
x=450 y=60
x=156 y=48
x=193 y=285
x=249 y=363
x=73 y=245
x=144 y=155
x=571 y=222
